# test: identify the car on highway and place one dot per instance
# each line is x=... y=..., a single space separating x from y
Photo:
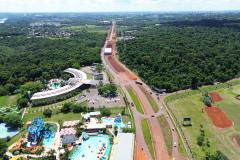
x=132 y=104
x=175 y=144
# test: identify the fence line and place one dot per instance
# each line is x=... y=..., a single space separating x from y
x=180 y=132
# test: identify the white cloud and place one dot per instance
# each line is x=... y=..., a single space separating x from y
x=115 y=5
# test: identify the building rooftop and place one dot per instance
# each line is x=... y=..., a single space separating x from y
x=73 y=83
x=125 y=148
x=88 y=115
x=108 y=50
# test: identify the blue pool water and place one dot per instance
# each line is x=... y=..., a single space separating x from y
x=6 y=131
x=48 y=141
x=55 y=85
x=110 y=121
x=88 y=150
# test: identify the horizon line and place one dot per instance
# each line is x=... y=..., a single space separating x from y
x=170 y=11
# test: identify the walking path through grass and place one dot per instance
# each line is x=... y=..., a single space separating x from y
x=135 y=99
x=148 y=137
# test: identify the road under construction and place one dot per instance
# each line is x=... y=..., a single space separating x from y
x=125 y=78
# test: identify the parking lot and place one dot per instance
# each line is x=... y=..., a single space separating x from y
x=96 y=101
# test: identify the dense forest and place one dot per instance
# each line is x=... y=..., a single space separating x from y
x=177 y=58
x=24 y=58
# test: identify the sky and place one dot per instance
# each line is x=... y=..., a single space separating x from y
x=116 y=5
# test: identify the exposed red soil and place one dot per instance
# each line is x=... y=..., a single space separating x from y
x=119 y=68
x=236 y=140
x=139 y=153
x=115 y=64
x=218 y=117
x=215 y=97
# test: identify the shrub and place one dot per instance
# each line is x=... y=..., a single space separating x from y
x=107 y=90
x=67 y=107
x=91 y=109
x=3 y=147
x=207 y=101
x=22 y=102
x=47 y=113
x=105 y=111
x=13 y=120
x=77 y=108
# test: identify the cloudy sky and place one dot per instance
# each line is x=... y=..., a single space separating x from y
x=116 y=5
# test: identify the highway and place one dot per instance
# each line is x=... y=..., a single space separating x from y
x=126 y=78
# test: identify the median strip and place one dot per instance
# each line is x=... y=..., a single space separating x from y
x=150 y=99
x=148 y=137
x=135 y=100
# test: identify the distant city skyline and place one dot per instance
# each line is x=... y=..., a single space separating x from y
x=116 y=5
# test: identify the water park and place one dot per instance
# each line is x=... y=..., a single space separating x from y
x=98 y=136
x=39 y=137
x=94 y=148
x=92 y=137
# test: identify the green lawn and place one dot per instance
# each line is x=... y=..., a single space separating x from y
x=135 y=100
x=167 y=133
x=148 y=137
x=191 y=106
x=151 y=100
x=56 y=117
x=8 y=100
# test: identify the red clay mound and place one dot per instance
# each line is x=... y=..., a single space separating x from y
x=215 y=97
x=218 y=117
x=119 y=68
x=115 y=64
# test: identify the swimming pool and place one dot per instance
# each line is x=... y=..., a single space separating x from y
x=6 y=131
x=48 y=141
x=110 y=121
x=55 y=85
x=89 y=149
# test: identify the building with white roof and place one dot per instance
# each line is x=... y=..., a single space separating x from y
x=73 y=84
x=124 y=149
x=108 y=51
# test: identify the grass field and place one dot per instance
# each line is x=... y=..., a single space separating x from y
x=167 y=133
x=220 y=139
x=89 y=28
x=8 y=100
x=148 y=137
x=135 y=99
x=56 y=117
x=151 y=100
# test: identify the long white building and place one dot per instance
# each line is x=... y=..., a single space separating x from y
x=73 y=84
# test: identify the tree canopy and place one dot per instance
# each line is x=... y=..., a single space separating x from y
x=24 y=59
x=177 y=58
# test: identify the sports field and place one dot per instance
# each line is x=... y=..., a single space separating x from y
x=226 y=140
